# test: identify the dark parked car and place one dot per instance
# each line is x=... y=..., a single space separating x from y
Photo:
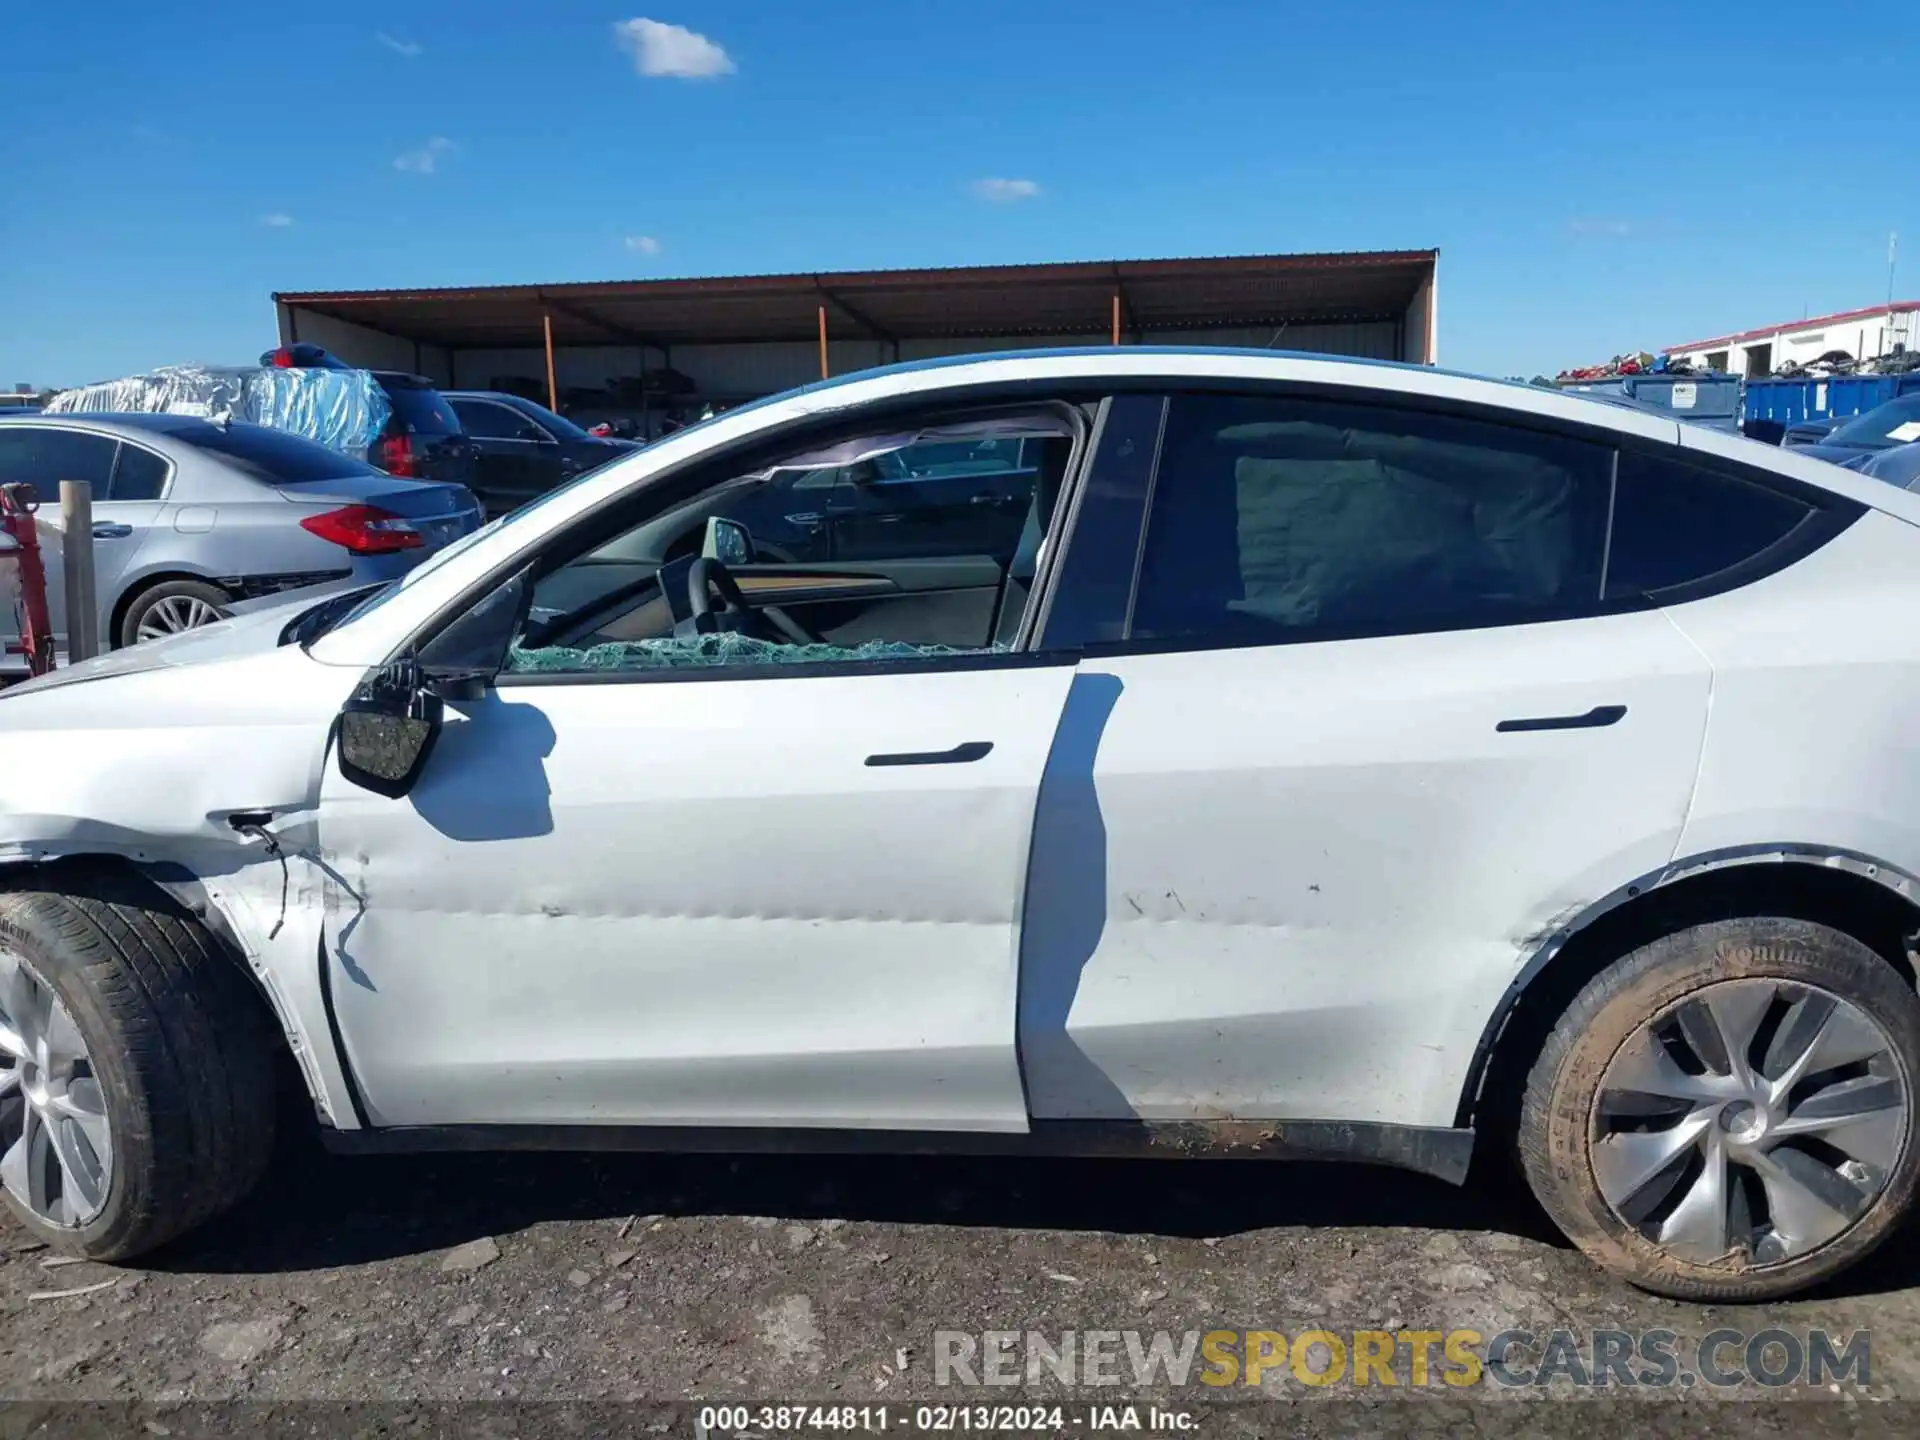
x=423 y=439
x=523 y=449
x=930 y=499
x=1885 y=427
x=1803 y=433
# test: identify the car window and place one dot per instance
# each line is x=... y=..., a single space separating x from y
x=558 y=425
x=137 y=474
x=273 y=457
x=946 y=459
x=1277 y=519
x=490 y=420
x=1677 y=524
x=1895 y=423
x=839 y=573
x=44 y=455
x=420 y=410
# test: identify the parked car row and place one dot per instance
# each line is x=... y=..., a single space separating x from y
x=190 y=516
x=194 y=516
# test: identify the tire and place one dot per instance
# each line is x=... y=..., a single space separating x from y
x=1588 y=1110
x=178 y=1048
x=188 y=597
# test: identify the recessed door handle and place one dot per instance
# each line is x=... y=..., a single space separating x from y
x=962 y=754
x=108 y=530
x=1595 y=719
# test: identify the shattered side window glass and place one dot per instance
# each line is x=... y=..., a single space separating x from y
x=778 y=567
x=713 y=650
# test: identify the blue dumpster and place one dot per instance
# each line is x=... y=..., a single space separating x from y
x=1836 y=397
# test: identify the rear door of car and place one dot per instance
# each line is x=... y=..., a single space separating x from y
x=1369 y=735
x=127 y=504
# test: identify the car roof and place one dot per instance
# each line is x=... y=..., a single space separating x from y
x=1092 y=368
x=185 y=427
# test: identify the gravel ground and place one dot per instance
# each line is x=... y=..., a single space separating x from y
x=573 y=1278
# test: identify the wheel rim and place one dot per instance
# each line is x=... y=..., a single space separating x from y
x=1754 y=1121
x=171 y=614
x=58 y=1157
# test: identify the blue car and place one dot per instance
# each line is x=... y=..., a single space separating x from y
x=1883 y=429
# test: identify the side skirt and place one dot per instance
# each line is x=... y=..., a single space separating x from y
x=1442 y=1153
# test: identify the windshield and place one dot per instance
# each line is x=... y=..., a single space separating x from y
x=1895 y=423
x=273 y=456
x=558 y=424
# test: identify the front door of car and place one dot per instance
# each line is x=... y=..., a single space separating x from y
x=646 y=879
x=1354 y=769
x=516 y=459
x=624 y=899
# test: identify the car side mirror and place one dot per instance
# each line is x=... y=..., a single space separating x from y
x=387 y=728
x=727 y=541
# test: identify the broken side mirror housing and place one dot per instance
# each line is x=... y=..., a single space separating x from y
x=386 y=731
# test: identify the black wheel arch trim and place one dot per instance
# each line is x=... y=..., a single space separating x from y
x=1541 y=948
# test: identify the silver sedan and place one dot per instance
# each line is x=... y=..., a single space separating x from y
x=191 y=517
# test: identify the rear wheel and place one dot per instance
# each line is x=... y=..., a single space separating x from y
x=1728 y=1113
x=136 y=1079
x=170 y=607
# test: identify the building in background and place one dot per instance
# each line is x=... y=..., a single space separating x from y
x=660 y=352
x=1861 y=334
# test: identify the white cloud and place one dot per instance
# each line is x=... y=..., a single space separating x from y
x=426 y=159
x=1599 y=225
x=277 y=220
x=1005 y=192
x=642 y=244
x=672 y=51
x=409 y=48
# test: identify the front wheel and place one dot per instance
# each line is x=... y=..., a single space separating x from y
x=136 y=1076
x=1727 y=1114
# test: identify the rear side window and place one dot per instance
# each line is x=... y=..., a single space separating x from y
x=137 y=475
x=486 y=420
x=1676 y=524
x=273 y=456
x=43 y=456
x=419 y=410
x=1279 y=519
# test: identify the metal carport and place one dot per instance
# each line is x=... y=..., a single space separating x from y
x=723 y=340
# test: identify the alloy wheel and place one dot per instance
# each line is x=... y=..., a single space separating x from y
x=58 y=1146
x=173 y=613
x=1754 y=1120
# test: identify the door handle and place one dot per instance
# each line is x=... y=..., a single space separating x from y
x=963 y=754
x=111 y=530
x=1595 y=719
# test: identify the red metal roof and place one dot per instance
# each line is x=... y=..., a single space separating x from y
x=1791 y=325
x=988 y=300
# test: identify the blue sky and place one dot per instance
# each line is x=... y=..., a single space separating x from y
x=1597 y=177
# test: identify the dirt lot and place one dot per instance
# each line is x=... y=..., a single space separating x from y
x=489 y=1278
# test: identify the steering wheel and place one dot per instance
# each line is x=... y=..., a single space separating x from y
x=708 y=575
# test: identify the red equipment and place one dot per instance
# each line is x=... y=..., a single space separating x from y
x=17 y=504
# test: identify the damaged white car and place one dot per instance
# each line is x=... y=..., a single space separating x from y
x=1176 y=752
